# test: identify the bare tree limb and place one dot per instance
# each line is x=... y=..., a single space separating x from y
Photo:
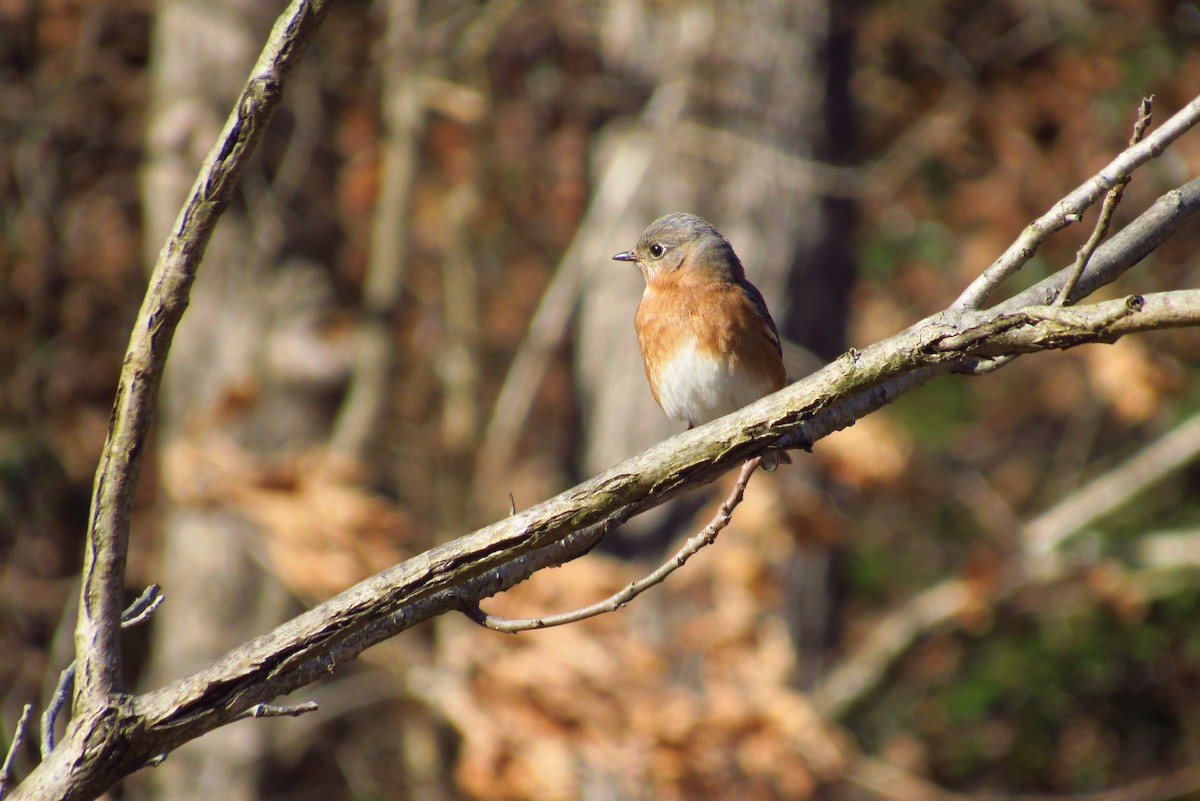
x=1070 y=209
x=707 y=536
x=1113 y=258
x=460 y=573
x=97 y=636
x=97 y=641
x=14 y=747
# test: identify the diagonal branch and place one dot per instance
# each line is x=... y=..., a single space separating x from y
x=460 y=573
x=133 y=732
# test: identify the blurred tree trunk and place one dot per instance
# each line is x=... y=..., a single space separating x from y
x=818 y=288
x=217 y=593
x=758 y=105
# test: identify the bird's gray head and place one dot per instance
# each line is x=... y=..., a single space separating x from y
x=681 y=240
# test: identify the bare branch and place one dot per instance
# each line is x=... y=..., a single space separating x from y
x=15 y=746
x=62 y=691
x=1046 y=327
x=141 y=609
x=1111 y=200
x=462 y=572
x=707 y=536
x=97 y=641
x=113 y=734
x=1071 y=208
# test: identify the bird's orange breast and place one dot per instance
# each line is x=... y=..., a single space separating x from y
x=707 y=351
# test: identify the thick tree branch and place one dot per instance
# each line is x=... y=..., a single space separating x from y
x=460 y=573
x=138 y=613
x=98 y=703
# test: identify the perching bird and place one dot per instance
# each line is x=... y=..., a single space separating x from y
x=708 y=342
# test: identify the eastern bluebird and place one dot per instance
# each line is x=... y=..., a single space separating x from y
x=708 y=342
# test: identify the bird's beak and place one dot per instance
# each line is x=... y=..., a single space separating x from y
x=626 y=256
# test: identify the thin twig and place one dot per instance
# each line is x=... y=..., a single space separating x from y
x=17 y=741
x=274 y=711
x=1071 y=208
x=62 y=691
x=1111 y=200
x=707 y=536
x=141 y=609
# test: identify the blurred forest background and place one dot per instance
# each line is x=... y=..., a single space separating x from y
x=411 y=313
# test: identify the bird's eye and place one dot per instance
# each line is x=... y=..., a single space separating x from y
x=656 y=250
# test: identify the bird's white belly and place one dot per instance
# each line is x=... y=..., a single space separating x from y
x=696 y=387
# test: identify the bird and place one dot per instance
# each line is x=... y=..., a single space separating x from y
x=707 y=339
